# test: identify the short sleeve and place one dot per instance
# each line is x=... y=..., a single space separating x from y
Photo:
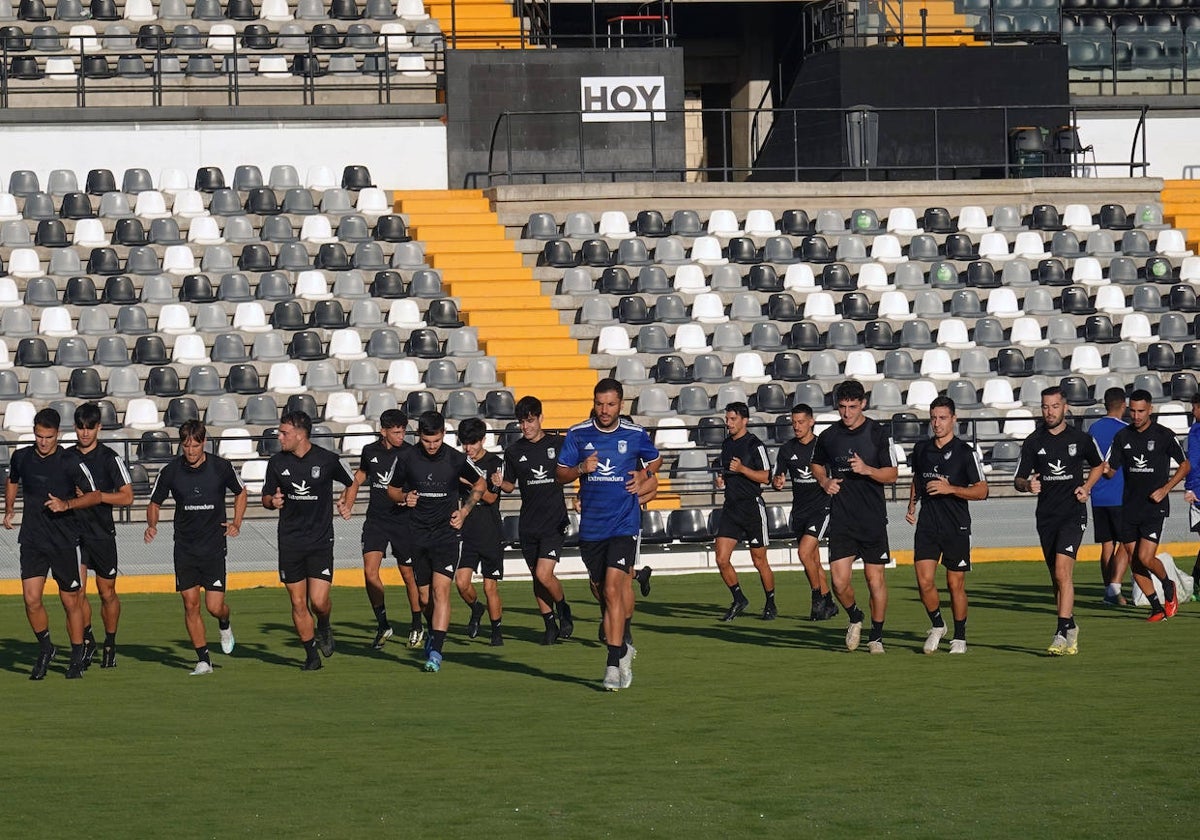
x=568 y=455
x=162 y=484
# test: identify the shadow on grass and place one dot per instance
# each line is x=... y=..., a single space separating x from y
x=493 y=662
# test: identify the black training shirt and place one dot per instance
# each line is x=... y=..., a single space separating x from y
x=753 y=455
x=110 y=474
x=531 y=467
x=1146 y=459
x=1062 y=463
x=200 y=507
x=795 y=461
x=58 y=474
x=306 y=518
x=959 y=464
x=378 y=462
x=858 y=508
x=436 y=480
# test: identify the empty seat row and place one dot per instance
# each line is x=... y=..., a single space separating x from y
x=152 y=204
x=28 y=68
x=208 y=179
x=213 y=10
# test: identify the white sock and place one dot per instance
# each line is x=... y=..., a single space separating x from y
x=1114 y=589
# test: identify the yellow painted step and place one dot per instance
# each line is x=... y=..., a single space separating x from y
x=555 y=393
x=505 y=318
x=469 y=217
x=525 y=330
x=473 y=274
x=491 y=234
x=532 y=346
x=500 y=303
x=510 y=260
x=470 y=13
x=442 y=205
x=470 y=245
x=552 y=378
x=563 y=414
x=513 y=362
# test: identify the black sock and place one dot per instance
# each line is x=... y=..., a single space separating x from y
x=736 y=591
x=496 y=623
x=310 y=648
x=477 y=610
x=564 y=610
x=548 y=617
x=854 y=613
x=960 y=629
x=437 y=638
x=1064 y=624
x=935 y=618
x=1071 y=621
x=614 y=654
x=322 y=622
x=76 y=652
x=876 y=631
x=380 y=615
x=1155 y=604
x=1168 y=586
x=110 y=640
x=415 y=624
x=770 y=595
x=222 y=623
x=88 y=635
x=816 y=595
x=43 y=639
x=202 y=654
x=629 y=631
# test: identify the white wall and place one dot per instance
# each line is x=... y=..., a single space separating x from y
x=400 y=155
x=1170 y=144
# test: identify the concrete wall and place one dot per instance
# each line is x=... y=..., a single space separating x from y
x=1170 y=142
x=400 y=154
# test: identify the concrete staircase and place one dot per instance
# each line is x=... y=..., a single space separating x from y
x=498 y=295
x=1181 y=207
x=946 y=27
x=478 y=24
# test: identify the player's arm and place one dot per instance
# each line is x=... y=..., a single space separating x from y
x=86 y=494
x=360 y=477
x=10 y=501
x=478 y=488
x=152 y=511
x=119 y=478
x=1179 y=475
x=569 y=468
x=239 y=513
x=1026 y=480
x=910 y=516
x=272 y=495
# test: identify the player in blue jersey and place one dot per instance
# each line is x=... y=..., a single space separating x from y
x=614 y=460
x=1192 y=482
x=1106 y=500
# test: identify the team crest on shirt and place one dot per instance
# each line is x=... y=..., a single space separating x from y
x=1149 y=446
x=946 y=457
x=550 y=453
x=316 y=472
x=1071 y=449
x=622 y=446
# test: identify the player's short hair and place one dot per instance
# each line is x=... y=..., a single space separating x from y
x=47 y=418
x=393 y=418
x=739 y=408
x=298 y=420
x=942 y=402
x=528 y=407
x=1196 y=398
x=87 y=416
x=1052 y=391
x=802 y=408
x=1140 y=395
x=608 y=385
x=192 y=430
x=431 y=423
x=851 y=389
x=1114 y=398
x=472 y=430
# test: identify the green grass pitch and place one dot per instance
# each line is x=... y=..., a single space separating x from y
x=750 y=729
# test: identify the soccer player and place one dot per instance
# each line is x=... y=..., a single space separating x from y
x=1059 y=464
x=1192 y=482
x=852 y=462
x=386 y=523
x=947 y=475
x=810 y=507
x=529 y=464
x=1106 y=501
x=744 y=469
x=48 y=477
x=612 y=459
x=428 y=478
x=98 y=546
x=299 y=484
x=482 y=535
x=1143 y=451
x=198 y=481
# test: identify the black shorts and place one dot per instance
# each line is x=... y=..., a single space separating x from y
x=490 y=564
x=435 y=552
x=745 y=520
x=873 y=551
x=192 y=570
x=317 y=563
x=1062 y=537
x=63 y=563
x=1149 y=529
x=953 y=548
x=810 y=523
x=613 y=553
x=378 y=536
x=1106 y=523
x=100 y=555
x=535 y=547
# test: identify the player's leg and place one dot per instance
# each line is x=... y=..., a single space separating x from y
x=441 y=586
x=926 y=572
x=320 y=592
x=1147 y=556
x=33 y=587
x=466 y=589
x=551 y=601
x=1116 y=574
x=302 y=619
x=956 y=582
x=723 y=547
x=373 y=583
x=495 y=609
x=808 y=550
x=194 y=622
x=877 y=586
x=1066 y=634
x=616 y=589
x=89 y=637
x=843 y=589
x=758 y=556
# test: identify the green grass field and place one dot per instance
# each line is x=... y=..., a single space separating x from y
x=750 y=729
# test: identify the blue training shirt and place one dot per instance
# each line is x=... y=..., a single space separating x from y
x=609 y=510
x=1192 y=480
x=1107 y=492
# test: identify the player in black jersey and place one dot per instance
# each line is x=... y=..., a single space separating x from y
x=947 y=475
x=198 y=482
x=743 y=468
x=482 y=537
x=529 y=464
x=50 y=479
x=1060 y=464
x=386 y=523
x=98 y=548
x=810 y=507
x=299 y=484
x=1143 y=452
x=852 y=462
x=428 y=478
